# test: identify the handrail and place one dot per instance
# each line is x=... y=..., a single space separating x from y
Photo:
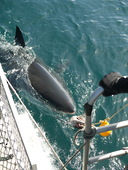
x=113 y=126
x=95 y=95
x=123 y=151
x=89 y=131
x=88 y=123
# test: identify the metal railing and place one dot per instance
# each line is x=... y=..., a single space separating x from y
x=89 y=132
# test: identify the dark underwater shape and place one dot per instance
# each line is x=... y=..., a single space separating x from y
x=47 y=85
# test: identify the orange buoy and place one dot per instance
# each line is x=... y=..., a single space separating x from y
x=104 y=123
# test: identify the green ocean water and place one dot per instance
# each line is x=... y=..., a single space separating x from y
x=80 y=41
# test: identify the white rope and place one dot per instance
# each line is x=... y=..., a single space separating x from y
x=36 y=124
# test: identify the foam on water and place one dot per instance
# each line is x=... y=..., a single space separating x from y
x=37 y=148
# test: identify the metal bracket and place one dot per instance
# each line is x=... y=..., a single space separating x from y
x=90 y=135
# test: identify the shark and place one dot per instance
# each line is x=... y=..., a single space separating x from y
x=45 y=83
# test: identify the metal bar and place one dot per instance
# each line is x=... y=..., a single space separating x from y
x=101 y=129
x=85 y=155
x=95 y=95
x=86 y=147
x=113 y=126
x=88 y=110
x=108 y=155
x=88 y=128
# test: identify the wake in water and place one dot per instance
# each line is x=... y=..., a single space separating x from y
x=14 y=58
x=15 y=61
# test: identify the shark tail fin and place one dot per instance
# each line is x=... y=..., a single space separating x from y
x=19 y=37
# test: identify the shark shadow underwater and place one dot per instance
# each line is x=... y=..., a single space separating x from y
x=46 y=84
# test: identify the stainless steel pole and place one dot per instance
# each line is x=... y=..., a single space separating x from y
x=124 y=151
x=86 y=147
x=113 y=126
x=88 y=128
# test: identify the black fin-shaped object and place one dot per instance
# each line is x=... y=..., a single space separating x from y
x=19 y=37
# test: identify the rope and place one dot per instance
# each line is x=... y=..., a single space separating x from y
x=78 y=150
x=35 y=123
x=75 y=136
x=109 y=118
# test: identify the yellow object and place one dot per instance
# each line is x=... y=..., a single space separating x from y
x=104 y=123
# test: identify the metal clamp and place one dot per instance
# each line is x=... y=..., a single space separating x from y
x=89 y=135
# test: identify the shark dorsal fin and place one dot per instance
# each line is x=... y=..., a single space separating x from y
x=19 y=37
